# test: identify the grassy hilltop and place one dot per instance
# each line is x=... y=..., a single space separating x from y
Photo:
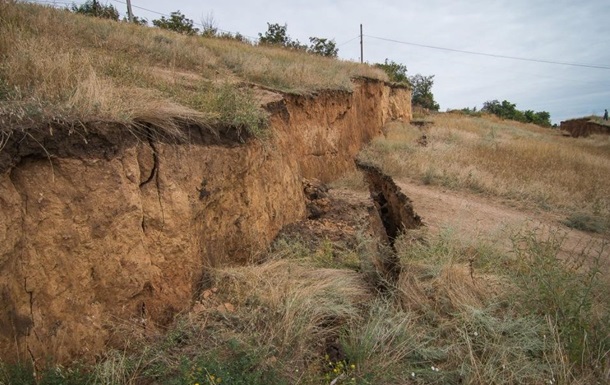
x=66 y=69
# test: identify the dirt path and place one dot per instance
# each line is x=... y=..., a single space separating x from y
x=473 y=217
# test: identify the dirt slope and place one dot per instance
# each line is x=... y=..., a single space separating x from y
x=584 y=127
x=100 y=236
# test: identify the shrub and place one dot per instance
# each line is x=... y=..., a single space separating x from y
x=396 y=72
x=177 y=22
x=94 y=8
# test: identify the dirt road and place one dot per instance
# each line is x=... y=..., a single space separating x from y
x=474 y=217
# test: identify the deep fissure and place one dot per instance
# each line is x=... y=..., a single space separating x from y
x=394 y=210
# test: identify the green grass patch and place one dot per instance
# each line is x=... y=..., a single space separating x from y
x=587 y=222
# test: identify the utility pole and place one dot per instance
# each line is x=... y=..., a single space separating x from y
x=361 y=46
x=129 y=11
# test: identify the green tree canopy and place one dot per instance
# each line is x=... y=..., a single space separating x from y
x=277 y=35
x=94 y=8
x=508 y=110
x=422 y=91
x=176 y=22
x=421 y=85
x=396 y=72
x=323 y=47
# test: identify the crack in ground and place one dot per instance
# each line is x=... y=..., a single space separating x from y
x=395 y=212
x=154 y=174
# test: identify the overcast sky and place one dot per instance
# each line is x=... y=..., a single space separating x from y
x=568 y=31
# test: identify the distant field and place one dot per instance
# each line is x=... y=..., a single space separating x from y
x=527 y=164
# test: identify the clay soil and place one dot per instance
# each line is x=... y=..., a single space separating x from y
x=469 y=217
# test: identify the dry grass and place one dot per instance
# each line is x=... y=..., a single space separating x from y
x=521 y=162
x=65 y=68
x=287 y=310
x=444 y=322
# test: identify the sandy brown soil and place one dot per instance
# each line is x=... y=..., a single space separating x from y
x=469 y=217
x=474 y=217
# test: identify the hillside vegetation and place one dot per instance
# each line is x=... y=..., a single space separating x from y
x=63 y=69
x=522 y=163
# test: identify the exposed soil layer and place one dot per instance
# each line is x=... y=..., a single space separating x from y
x=473 y=218
x=584 y=127
x=104 y=228
x=393 y=214
x=394 y=207
x=341 y=217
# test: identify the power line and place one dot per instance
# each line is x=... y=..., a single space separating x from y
x=51 y=2
x=492 y=55
x=349 y=41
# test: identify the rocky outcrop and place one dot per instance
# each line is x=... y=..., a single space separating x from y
x=584 y=127
x=117 y=233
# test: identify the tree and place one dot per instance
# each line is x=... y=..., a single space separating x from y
x=508 y=110
x=542 y=118
x=422 y=92
x=421 y=86
x=323 y=47
x=277 y=35
x=177 y=22
x=396 y=72
x=94 y=8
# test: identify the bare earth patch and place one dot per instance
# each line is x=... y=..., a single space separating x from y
x=473 y=217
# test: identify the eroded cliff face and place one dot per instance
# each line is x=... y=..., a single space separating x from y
x=584 y=127
x=119 y=233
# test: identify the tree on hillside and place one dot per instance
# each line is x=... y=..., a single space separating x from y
x=422 y=91
x=277 y=35
x=94 y=8
x=421 y=85
x=323 y=47
x=176 y=22
x=508 y=110
x=396 y=72
x=505 y=110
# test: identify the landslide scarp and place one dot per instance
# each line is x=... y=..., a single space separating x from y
x=122 y=184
